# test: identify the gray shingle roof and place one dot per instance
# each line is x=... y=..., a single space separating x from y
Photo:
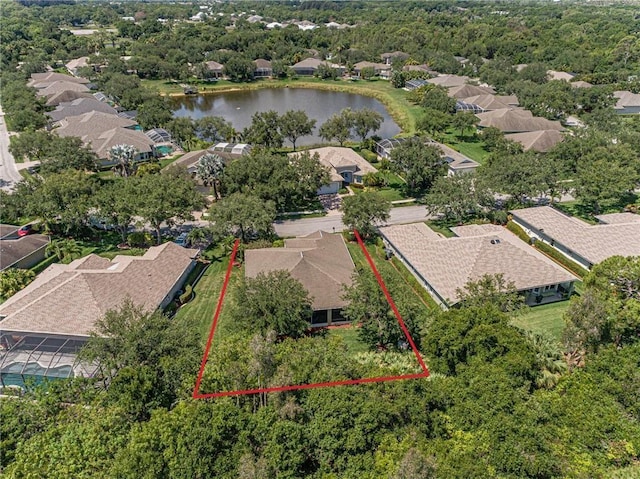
x=60 y=86
x=541 y=141
x=13 y=249
x=40 y=80
x=68 y=299
x=80 y=106
x=91 y=125
x=595 y=243
x=465 y=91
x=320 y=261
x=450 y=263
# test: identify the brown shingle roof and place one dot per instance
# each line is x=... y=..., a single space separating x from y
x=80 y=106
x=489 y=102
x=67 y=96
x=626 y=99
x=60 y=86
x=449 y=81
x=40 y=80
x=320 y=261
x=340 y=158
x=91 y=125
x=594 y=243
x=541 y=141
x=68 y=299
x=465 y=91
x=118 y=136
x=516 y=120
x=450 y=263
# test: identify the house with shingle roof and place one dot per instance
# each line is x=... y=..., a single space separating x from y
x=628 y=103
x=389 y=57
x=58 y=87
x=482 y=103
x=345 y=167
x=448 y=81
x=445 y=265
x=320 y=261
x=80 y=106
x=617 y=234
x=263 y=68
x=43 y=326
x=73 y=65
x=309 y=67
x=20 y=252
x=100 y=131
x=41 y=80
x=66 y=96
x=215 y=69
x=466 y=90
x=516 y=120
x=559 y=76
x=383 y=70
x=540 y=141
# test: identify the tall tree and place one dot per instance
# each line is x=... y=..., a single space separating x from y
x=420 y=164
x=365 y=121
x=209 y=169
x=457 y=197
x=244 y=214
x=214 y=128
x=464 y=121
x=264 y=130
x=116 y=203
x=273 y=302
x=123 y=157
x=337 y=127
x=166 y=198
x=491 y=290
x=295 y=124
x=363 y=212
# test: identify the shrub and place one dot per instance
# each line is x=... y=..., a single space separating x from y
x=186 y=296
x=518 y=231
x=139 y=239
x=368 y=155
x=572 y=266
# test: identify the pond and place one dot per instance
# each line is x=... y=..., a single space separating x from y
x=239 y=106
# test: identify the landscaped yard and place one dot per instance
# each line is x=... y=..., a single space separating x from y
x=200 y=310
x=547 y=318
x=472 y=147
x=350 y=336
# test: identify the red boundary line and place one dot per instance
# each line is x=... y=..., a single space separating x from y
x=196 y=391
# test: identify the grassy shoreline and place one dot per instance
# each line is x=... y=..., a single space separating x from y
x=393 y=99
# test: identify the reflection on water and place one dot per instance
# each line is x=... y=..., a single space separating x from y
x=238 y=107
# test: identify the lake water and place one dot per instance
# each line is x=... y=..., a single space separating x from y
x=238 y=107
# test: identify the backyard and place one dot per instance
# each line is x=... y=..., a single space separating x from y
x=545 y=319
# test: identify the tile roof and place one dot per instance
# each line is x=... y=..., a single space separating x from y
x=340 y=158
x=13 y=248
x=516 y=120
x=80 y=106
x=68 y=299
x=320 y=261
x=450 y=263
x=541 y=141
x=595 y=243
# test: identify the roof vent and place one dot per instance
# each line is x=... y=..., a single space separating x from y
x=495 y=241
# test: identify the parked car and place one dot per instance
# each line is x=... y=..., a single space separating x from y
x=181 y=240
x=25 y=230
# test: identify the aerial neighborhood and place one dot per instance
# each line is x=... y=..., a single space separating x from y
x=319 y=239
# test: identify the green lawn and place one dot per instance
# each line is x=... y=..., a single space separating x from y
x=472 y=147
x=200 y=310
x=350 y=336
x=544 y=319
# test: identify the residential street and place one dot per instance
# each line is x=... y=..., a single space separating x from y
x=304 y=226
x=9 y=174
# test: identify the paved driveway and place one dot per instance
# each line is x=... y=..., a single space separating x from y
x=9 y=174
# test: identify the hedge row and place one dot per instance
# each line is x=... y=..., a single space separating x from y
x=571 y=265
x=186 y=296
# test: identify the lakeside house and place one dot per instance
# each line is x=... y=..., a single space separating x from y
x=345 y=167
x=43 y=326
x=628 y=103
x=262 y=68
x=516 y=120
x=618 y=234
x=309 y=67
x=320 y=261
x=444 y=265
x=80 y=106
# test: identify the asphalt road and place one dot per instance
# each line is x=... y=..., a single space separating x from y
x=9 y=174
x=304 y=226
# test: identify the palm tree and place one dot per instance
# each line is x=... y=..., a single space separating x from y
x=209 y=170
x=123 y=156
x=550 y=359
x=64 y=249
